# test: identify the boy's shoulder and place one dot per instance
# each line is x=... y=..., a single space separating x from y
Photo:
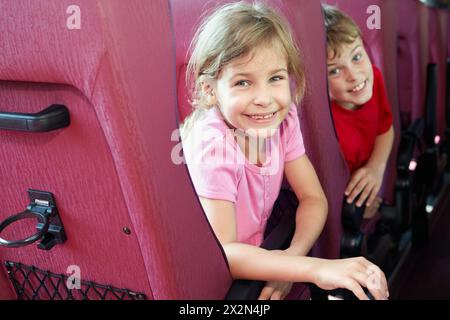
x=379 y=86
x=377 y=75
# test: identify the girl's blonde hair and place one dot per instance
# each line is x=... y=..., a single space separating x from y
x=233 y=31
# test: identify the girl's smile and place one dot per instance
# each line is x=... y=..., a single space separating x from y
x=262 y=118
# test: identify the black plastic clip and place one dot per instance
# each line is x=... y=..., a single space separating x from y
x=50 y=229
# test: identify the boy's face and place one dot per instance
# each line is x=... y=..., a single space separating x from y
x=350 y=75
x=253 y=92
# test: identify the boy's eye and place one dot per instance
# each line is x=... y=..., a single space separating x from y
x=334 y=72
x=357 y=57
x=242 y=83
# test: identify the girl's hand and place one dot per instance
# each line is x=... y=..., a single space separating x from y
x=275 y=290
x=352 y=274
x=365 y=181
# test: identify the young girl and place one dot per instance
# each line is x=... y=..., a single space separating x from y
x=243 y=136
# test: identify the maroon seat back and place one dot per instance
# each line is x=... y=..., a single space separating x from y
x=411 y=59
x=316 y=123
x=109 y=169
x=448 y=34
x=437 y=19
x=422 y=39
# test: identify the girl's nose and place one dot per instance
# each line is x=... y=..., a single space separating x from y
x=263 y=98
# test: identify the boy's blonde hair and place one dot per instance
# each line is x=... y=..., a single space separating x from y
x=232 y=31
x=340 y=29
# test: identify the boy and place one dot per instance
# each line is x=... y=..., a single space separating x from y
x=360 y=109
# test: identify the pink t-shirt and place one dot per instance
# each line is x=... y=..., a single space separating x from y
x=219 y=169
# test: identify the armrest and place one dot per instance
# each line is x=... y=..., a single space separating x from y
x=352 y=216
x=447 y=95
x=409 y=140
x=352 y=237
x=430 y=105
x=279 y=238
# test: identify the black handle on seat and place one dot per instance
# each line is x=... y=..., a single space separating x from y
x=54 y=117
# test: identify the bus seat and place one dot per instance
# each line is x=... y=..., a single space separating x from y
x=435 y=156
x=111 y=64
x=438 y=54
x=411 y=60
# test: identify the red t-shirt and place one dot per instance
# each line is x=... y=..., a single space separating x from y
x=358 y=129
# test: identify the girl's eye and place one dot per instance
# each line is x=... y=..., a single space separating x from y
x=242 y=83
x=276 y=78
x=357 y=57
x=334 y=72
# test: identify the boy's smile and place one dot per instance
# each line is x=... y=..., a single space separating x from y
x=350 y=76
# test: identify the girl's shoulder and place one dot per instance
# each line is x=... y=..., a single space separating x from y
x=209 y=135
x=291 y=121
x=209 y=126
x=211 y=152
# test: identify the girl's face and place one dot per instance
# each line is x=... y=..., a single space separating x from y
x=253 y=92
x=350 y=76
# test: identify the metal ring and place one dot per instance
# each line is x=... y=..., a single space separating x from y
x=24 y=242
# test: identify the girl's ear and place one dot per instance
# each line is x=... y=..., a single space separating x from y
x=208 y=92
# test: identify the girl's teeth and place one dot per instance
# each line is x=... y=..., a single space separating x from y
x=262 y=117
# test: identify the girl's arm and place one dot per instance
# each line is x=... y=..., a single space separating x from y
x=367 y=180
x=247 y=261
x=313 y=207
x=254 y=263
